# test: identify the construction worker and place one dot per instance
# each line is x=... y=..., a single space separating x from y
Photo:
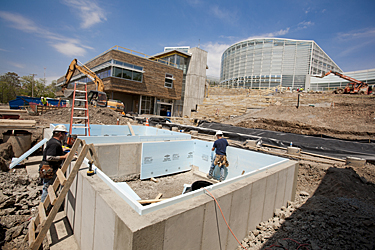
x=53 y=156
x=220 y=158
x=44 y=101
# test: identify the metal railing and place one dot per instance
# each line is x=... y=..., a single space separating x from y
x=136 y=53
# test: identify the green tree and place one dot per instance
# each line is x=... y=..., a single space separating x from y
x=51 y=89
x=10 y=86
x=40 y=87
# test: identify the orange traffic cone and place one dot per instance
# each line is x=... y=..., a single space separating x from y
x=147 y=122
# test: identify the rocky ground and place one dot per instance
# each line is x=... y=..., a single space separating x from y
x=334 y=207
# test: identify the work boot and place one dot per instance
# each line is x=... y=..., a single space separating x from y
x=209 y=176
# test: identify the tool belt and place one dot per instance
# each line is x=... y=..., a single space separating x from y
x=46 y=171
x=221 y=160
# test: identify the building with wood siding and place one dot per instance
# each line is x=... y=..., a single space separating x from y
x=145 y=84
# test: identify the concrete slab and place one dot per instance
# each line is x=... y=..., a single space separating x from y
x=109 y=159
x=280 y=190
x=214 y=224
x=188 y=223
x=104 y=225
x=33 y=171
x=269 y=201
x=239 y=214
x=130 y=159
x=33 y=160
x=258 y=193
x=88 y=216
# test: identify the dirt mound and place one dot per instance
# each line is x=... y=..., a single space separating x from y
x=345 y=182
x=343 y=120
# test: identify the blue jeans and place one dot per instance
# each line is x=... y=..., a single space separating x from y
x=46 y=183
x=212 y=168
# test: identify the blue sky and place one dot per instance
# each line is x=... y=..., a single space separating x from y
x=43 y=36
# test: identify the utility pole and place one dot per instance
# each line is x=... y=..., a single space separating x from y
x=32 y=85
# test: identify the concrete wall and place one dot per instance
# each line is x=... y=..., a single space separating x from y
x=103 y=220
x=120 y=159
x=195 y=80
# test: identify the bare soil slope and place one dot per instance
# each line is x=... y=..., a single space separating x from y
x=349 y=118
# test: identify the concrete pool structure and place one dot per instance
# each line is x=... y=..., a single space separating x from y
x=107 y=215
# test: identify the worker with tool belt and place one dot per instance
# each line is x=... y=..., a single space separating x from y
x=53 y=156
x=221 y=156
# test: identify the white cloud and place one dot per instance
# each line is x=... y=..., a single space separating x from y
x=356 y=40
x=223 y=14
x=277 y=33
x=60 y=43
x=355 y=34
x=19 y=22
x=272 y=34
x=17 y=65
x=4 y=50
x=215 y=50
x=69 y=49
x=88 y=11
x=304 y=25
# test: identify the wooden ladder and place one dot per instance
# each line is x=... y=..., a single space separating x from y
x=40 y=225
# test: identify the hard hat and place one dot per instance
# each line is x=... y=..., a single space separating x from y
x=219 y=132
x=60 y=128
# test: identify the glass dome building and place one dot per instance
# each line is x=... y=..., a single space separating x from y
x=270 y=62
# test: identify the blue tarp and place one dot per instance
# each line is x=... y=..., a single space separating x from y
x=26 y=100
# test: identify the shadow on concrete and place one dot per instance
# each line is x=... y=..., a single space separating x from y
x=339 y=215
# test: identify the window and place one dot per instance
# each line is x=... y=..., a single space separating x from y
x=127 y=71
x=147 y=105
x=127 y=74
x=168 y=83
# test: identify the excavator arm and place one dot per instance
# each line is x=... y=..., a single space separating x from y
x=84 y=70
x=354 y=85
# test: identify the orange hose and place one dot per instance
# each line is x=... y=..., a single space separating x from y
x=225 y=219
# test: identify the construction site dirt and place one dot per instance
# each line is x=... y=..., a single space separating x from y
x=334 y=207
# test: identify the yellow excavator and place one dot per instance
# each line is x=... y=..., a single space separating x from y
x=95 y=97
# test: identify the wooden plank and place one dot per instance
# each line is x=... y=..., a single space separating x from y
x=12 y=111
x=154 y=180
x=17 y=123
x=151 y=201
x=204 y=176
x=51 y=195
x=56 y=184
x=64 y=192
x=42 y=213
x=31 y=233
x=131 y=129
x=61 y=177
x=158 y=196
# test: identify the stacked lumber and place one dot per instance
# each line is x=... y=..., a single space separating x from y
x=16 y=124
